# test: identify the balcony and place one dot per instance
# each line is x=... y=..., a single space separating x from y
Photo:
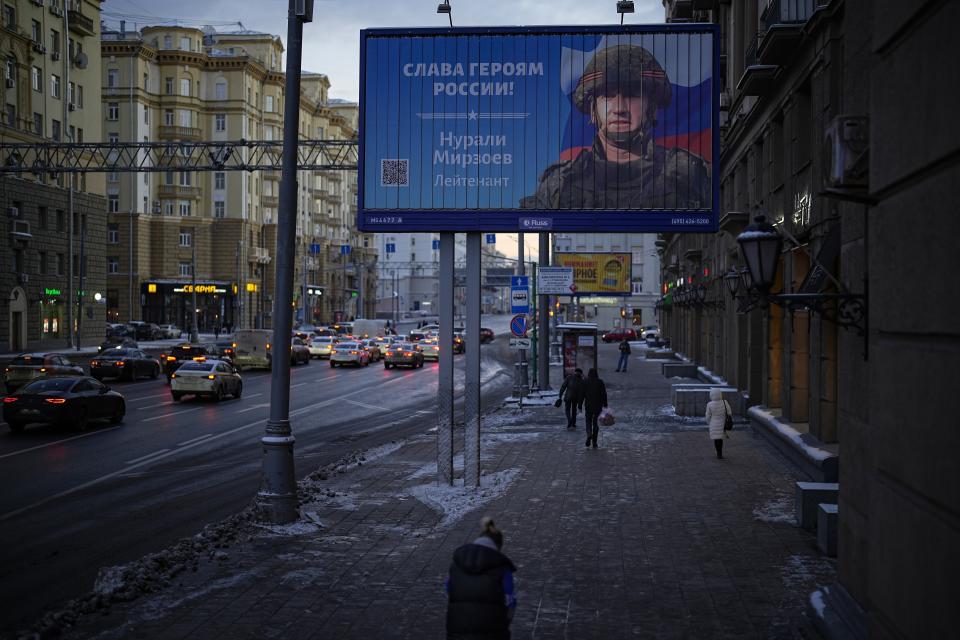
x=80 y=24
x=270 y=201
x=757 y=79
x=179 y=192
x=174 y=132
x=258 y=255
x=783 y=21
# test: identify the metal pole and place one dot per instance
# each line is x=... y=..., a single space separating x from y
x=522 y=382
x=194 y=332
x=543 y=323
x=535 y=343
x=277 y=497
x=131 y=185
x=64 y=135
x=471 y=440
x=445 y=388
x=80 y=291
x=238 y=307
x=303 y=294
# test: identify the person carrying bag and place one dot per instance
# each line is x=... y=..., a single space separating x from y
x=595 y=401
x=719 y=416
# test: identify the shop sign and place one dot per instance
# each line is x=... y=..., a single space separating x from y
x=252 y=287
x=201 y=288
x=47 y=291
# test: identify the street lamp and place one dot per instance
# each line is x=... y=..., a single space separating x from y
x=444 y=7
x=732 y=278
x=761 y=244
x=624 y=6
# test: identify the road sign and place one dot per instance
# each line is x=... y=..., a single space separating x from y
x=520 y=281
x=344 y=249
x=314 y=248
x=555 y=281
x=519 y=300
x=518 y=325
x=436 y=245
x=391 y=248
x=519 y=343
x=491 y=238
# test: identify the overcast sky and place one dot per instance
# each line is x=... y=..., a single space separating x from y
x=332 y=41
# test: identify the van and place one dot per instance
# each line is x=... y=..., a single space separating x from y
x=252 y=349
x=364 y=329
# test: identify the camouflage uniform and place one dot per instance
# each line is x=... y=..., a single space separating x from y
x=663 y=178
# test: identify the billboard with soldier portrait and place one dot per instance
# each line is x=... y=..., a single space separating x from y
x=539 y=129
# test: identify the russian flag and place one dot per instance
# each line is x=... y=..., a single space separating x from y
x=686 y=122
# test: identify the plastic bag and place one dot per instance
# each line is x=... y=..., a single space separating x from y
x=606 y=417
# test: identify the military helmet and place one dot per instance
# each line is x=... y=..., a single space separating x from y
x=627 y=66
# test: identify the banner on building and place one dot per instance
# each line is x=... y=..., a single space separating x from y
x=546 y=128
x=606 y=274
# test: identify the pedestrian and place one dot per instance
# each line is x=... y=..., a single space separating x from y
x=571 y=391
x=480 y=591
x=216 y=330
x=624 y=356
x=595 y=401
x=717 y=411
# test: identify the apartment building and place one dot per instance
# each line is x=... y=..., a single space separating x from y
x=218 y=228
x=50 y=92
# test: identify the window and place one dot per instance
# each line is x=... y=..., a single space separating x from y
x=168 y=177
x=220 y=91
x=220 y=122
x=9 y=17
x=413 y=257
x=185 y=44
x=186 y=117
x=61 y=264
x=113 y=78
x=113 y=265
x=55 y=85
x=269 y=105
x=80 y=139
x=43 y=263
x=168 y=86
x=79 y=96
x=185 y=210
x=186 y=269
x=186 y=178
x=113 y=138
x=55 y=42
x=61 y=220
x=146 y=114
x=112 y=176
x=42 y=216
x=36 y=32
x=113 y=203
x=186 y=237
x=36 y=79
x=167 y=42
x=185 y=87
x=16 y=262
x=113 y=234
x=168 y=117
x=219 y=209
x=55 y=130
x=168 y=208
x=219 y=180
x=10 y=114
x=113 y=110
x=38 y=123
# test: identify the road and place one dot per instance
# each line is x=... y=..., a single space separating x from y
x=78 y=501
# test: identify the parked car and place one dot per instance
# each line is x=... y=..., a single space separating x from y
x=373 y=349
x=459 y=344
x=28 y=366
x=486 y=335
x=616 y=335
x=650 y=332
x=349 y=353
x=66 y=401
x=405 y=354
x=182 y=353
x=212 y=378
x=121 y=331
x=252 y=349
x=299 y=352
x=322 y=346
x=430 y=349
x=171 y=331
x=126 y=363
x=114 y=342
x=146 y=331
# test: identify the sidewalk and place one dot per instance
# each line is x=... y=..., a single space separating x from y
x=649 y=536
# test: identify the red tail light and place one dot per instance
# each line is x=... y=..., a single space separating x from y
x=56 y=400
x=354 y=353
x=408 y=354
x=94 y=363
x=9 y=399
x=119 y=363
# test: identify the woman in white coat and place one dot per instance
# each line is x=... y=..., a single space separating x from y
x=717 y=410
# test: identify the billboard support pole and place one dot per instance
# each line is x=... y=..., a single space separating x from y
x=471 y=440
x=277 y=498
x=543 y=321
x=445 y=387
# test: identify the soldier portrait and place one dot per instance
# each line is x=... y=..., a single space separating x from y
x=622 y=90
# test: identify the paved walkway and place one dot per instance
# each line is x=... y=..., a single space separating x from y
x=649 y=536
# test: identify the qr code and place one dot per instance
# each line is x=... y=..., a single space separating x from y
x=394 y=173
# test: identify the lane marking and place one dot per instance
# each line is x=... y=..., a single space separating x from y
x=149 y=455
x=170 y=415
x=159 y=395
x=256 y=406
x=299 y=384
x=183 y=444
x=365 y=405
x=56 y=442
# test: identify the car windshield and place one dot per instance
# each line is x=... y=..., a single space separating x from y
x=346 y=346
x=189 y=352
x=406 y=346
x=323 y=340
x=49 y=384
x=197 y=366
x=117 y=352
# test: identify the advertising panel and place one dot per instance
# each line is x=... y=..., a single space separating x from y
x=539 y=129
x=598 y=273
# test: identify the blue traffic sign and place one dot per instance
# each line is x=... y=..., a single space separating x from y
x=344 y=249
x=520 y=281
x=491 y=238
x=519 y=300
x=315 y=248
x=436 y=245
x=518 y=325
x=391 y=248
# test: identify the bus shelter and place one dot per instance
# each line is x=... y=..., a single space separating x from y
x=579 y=340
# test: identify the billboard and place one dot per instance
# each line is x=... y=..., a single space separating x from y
x=539 y=129
x=598 y=273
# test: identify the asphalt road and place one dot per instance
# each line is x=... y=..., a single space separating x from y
x=78 y=501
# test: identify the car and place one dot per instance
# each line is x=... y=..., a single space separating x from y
x=299 y=352
x=209 y=377
x=26 y=367
x=349 y=353
x=171 y=331
x=222 y=350
x=403 y=354
x=417 y=336
x=383 y=343
x=305 y=331
x=459 y=344
x=435 y=328
x=121 y=331
x=124 y=362
x=650 y=332
x=146 y=331
x=114 y=342
x=322 y=346
x=63 y=401
x=373 y=349
x=616 y=335
x=182 y=353
x=430 y=349
x=252 y=349
x=486 y=335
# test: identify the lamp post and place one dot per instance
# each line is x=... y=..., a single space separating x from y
x=277 y=497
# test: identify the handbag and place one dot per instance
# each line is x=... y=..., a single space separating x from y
x=606 y=417
x=557 y=402
x=728 y=418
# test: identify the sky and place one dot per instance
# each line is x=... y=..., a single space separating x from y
x=331 y=43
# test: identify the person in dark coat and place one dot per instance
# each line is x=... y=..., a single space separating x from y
x=572 y=393
x=480 y=591
x=624 y=356
x=595 y=401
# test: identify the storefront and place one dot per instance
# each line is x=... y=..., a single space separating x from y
x=171 y=302
x=53 y=313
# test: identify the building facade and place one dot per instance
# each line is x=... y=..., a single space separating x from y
x=797 y=75
x=218 y=229
x=54 y=224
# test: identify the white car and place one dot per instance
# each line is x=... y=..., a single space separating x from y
x=350 y=353
x=212 y=378
x=321 y=346
x=171 y=331
x=651 y=332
